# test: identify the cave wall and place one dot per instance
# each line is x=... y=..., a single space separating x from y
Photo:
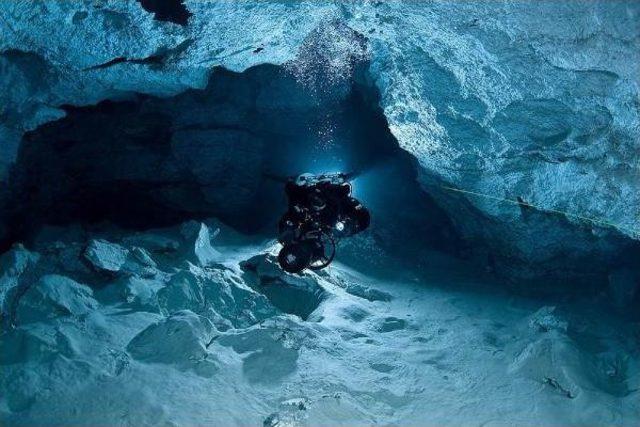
x=486 y=97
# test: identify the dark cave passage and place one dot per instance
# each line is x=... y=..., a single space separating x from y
x=167 y=10
x=149 y=162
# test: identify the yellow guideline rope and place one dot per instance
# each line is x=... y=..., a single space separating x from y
x=600 y=222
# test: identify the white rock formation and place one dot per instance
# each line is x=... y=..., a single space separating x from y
x=228 y=344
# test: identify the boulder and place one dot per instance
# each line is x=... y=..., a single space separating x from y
x=198 y=247
x=54 y=296
x=105 y=256
x=136 y=292
x=181 y=339
x=182 y=292
x=13 y=265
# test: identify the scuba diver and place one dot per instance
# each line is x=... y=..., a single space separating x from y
x=321 y=210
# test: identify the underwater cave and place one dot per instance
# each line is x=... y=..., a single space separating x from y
x=319 y=213
x=146 y=162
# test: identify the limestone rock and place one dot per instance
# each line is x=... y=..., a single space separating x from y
x=106 y=256
x=181 y=339
x=198 y=243
x=54 y=296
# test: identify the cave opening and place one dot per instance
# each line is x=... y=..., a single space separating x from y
x=148 y=162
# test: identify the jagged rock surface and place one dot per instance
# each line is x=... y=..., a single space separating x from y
x=488 y=98
x=240 y=342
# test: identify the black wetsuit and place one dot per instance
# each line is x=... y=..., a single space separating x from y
x=325 y=204
x=321 y=210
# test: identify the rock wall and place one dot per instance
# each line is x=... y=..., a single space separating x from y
x=536 y=121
